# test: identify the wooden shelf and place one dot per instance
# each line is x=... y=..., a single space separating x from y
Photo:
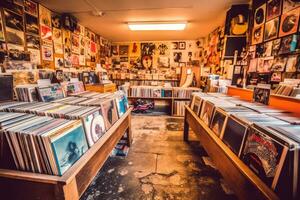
x=117 y=79
x=242 y=180
x=26 y=185
x=156 y=98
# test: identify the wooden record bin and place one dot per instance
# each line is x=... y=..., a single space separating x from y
x=242 y=180
x=72 y=184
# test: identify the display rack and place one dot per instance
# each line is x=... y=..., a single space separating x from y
x=26 y=185
x=276 y=101
x=242 y=180
x=146 y=82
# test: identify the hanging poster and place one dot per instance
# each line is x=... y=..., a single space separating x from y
x=14 y=36
x=46 y=33
x=75 y=43
x=258 y=34
x=260 y=16
x=163 y=49
x=58 y=62
x=58 y=48
x=289 y=22
x=273 y=9
x=32 y=24
x=123 y=50
x=47 y=53
x=13 y=20
x=33 y=41
x=147 y=49
x=271 y=29
x=45 y=16
x=134 y=49
x=57 y=36
x=290 y=5
x=30 y=7
x=35 y=56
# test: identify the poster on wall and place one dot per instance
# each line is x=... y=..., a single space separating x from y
x=147 y=49
x=289 y=22
x=271 y=29
x=14 y=36
x=290 y=5
x=177 y=57
x=147 y=61
x=260 y=16
x=46 y=33
x=31 y=8
x=258 y=34
x=273 y=9
x=163 y=49
x=45 y=16
x=123 y=50
x=47 y=53
x=57 y=36
x=33 y=41
x=35 y=56
x=114 y=50
x=58 y=62
x=13 y=20
x=58 y=48
x=32 y=25
x=75 y=43
x=134 y=49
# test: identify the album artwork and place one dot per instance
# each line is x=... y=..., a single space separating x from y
x=291 y=63
x=268 y=49
x=33 y=41
x=31 y=24
x=47 y=53
x=58 y=62
x=218 y=122
x=45 y=16
x=58 y=48
x=123 y=50
x=147 y=49
x=13 y=20
x=290 y=5
x=182 y=45
x=2 y=36
x=289 y=22
x=163 y=49
x=35 y=56
x=279 y=64
x=207 y=112
x=276 y=47
x=273 y=9
x=260 y=65
x=261 y=95
x=177 y=56
x=260 y=16
x=268 y=62
x=271 y=29
x=110 y=113
x=56 y=21
x=75 y=60
x=31 y=8
x=57 y=35
x=14 y=36
x=260 y=49
x=68 y=147
x=234 y=135
x=253 y=65
x=75 y=43
x=288 y=44
x=258 y=34
x=175 y=45
x=94 y=127
x=46 y=33
x=196 y=105
x=263 y=154
x=276 y=77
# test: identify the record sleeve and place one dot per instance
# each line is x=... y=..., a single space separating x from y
x=207 y=112
x=110 y=113
x=260 y=15
x=273 y=9
x=218 y=122
x=289 y=22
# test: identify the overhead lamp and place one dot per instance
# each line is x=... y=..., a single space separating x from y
x=157 y=26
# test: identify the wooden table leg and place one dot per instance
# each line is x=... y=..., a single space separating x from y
x=129 y=133
x=186 y=130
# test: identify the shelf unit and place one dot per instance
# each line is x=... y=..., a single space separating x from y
x=174 y=82
x=72 y=184
x=242 y=180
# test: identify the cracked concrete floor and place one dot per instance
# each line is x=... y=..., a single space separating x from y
x=159 y=166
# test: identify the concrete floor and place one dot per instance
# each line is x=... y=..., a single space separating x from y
x=159 y=166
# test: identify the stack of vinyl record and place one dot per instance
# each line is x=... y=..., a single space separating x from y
x=184 y=92
x=37 y=146
x=26 y=93
x=179 y=107
x=265 y=139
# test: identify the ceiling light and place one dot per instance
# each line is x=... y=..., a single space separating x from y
x=157 y=26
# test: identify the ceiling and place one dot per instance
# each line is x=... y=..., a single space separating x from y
x=202 y=16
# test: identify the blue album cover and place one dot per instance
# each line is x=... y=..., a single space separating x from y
x=69 y=148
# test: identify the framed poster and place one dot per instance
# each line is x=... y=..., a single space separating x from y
x=289 y=22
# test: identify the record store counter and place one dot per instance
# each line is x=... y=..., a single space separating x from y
x=72 y=184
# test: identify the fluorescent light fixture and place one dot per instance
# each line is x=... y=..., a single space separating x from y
x=157 y=26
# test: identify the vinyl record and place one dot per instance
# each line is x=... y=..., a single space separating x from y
x=260 y=15
x=289 y=22
x=258 y=34
x=97 y=127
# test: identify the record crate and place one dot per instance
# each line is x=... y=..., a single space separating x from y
x=71 y=185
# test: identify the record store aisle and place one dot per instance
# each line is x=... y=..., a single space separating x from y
x=159 y=166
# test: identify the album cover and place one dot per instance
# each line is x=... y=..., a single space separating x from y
x=30 y=7
x=177 y=56
x=273 y=9
x=56 y=21
x=45 y=16
x=47 y=53
x=268 y=62
x=46 y=33
x=57 y=35
x=276 y=77
x=234 y=135
x=123 y=50
x=291 y=63
x=35 y=56
x=58 y=48
x=276 y=47
x=207 y=112
x=14 y=36
x=33 y=41
x=288 y=44
x=50 y=93
x=75 y=60
x=258 y=34
x=196 y=105
x=94 y=127
x=75 y=43
x=289 y=22
x=110 y=113
x=268 y=49
x=218 y=122
x=13 y=20
x=2 y=36
x=261 y=95
x=261 y=65
x=122 y=102
x=271 y=29
x=32 y=25
x=253 y=65
x=263 y=155
x=68 y=147
x=290 y=5
x=260 y=49
x=58 y=62
x=260 y=16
